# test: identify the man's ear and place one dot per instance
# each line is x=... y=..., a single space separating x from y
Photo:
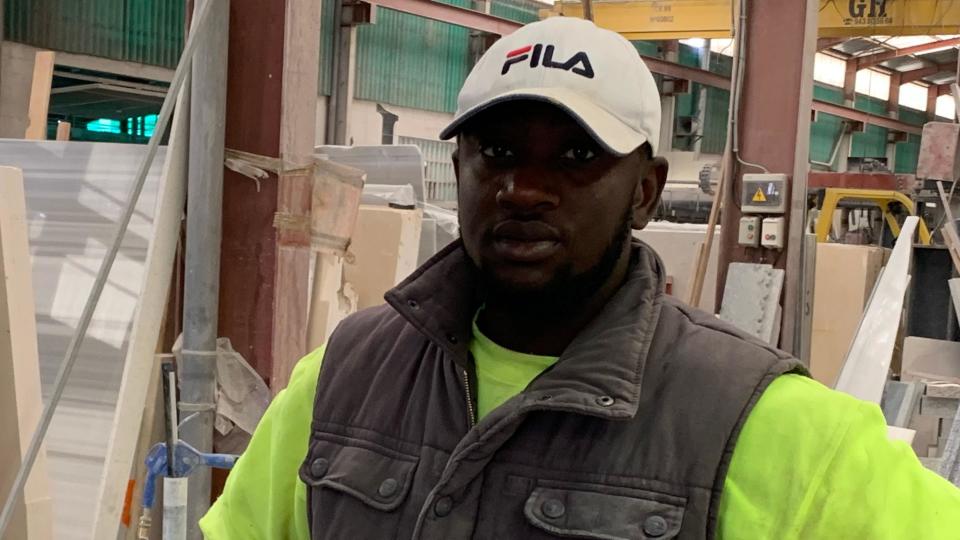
x=647 y=195
x=456 y=161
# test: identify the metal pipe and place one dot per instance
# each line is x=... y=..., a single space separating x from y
x=70 y=358
x=702 y=101
x=836 y=149
x=198 y=368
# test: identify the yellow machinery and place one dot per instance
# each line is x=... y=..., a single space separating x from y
x=678 y=19
x=880 y=197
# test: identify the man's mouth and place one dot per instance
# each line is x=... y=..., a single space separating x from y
x=525 y=241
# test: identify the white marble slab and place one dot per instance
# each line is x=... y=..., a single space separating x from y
x=75 y=193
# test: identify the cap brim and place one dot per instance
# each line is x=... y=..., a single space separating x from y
x=614 y=135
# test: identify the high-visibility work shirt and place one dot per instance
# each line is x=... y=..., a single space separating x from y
x=810 y=463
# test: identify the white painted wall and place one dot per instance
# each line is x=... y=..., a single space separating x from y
x=365 y=124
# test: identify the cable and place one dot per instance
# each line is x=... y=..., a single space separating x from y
x=741 y=46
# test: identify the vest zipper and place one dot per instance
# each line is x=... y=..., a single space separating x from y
x=466 y=385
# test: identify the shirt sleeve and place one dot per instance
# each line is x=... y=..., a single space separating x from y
x=264 y=498
x=814 y=463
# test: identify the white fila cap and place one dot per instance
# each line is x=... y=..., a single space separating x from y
x=593 y=74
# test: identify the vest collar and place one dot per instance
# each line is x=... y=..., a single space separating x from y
x=601 y=371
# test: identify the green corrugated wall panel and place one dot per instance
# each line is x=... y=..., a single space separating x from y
x=912 y=116
x=823 y=136
x=649 y=48
x=325 y=86
x=718 y=109
x=908 y=152
x=828 y=93
x=687 y=103
x=517 y=10
x=827 y=129
x=409 y=61
x=145 y=31
x=413 y=62
x=872 y=142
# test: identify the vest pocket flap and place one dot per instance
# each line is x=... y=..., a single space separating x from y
x=379 y=478
x=570 y=513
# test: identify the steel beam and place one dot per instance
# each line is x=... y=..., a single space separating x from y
x=451 y=14
x=852 y=180
x=933 y=92
x=917 y=74
x=826 y=43
x=692 y=74
x=864 y=62
x=780 y=43
x=893 y=100
x=860 y=116
x=677 y=19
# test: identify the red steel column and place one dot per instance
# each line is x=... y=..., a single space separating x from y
x=775 y=132
x=271 y=101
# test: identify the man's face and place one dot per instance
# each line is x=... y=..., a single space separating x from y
x=543 y=207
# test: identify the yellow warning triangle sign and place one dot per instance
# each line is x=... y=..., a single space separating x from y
x=759 y=196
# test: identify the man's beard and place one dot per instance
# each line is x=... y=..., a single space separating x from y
x=566 y=290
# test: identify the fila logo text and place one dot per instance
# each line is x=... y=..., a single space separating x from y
x=542 y=56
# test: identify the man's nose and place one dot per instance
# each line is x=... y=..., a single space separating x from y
x=526 y=191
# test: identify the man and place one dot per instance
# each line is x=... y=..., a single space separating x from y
x=534 y=381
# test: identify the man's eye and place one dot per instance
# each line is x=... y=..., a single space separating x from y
x=580 y=153
x=497 y=151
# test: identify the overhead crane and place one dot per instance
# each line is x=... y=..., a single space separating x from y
x=679 y=19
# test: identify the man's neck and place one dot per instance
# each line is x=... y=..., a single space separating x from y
x=546 y=333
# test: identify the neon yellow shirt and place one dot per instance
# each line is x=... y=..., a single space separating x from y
x=810 y=463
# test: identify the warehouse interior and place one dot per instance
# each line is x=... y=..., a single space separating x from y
x=195 y=193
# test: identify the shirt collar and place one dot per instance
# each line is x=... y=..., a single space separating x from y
x=600 y=372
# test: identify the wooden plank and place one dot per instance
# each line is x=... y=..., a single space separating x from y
x=140 y=363
x=40 y=95
x=63 y=131
x=298 y=105
x=703 y=253
x=20 y=402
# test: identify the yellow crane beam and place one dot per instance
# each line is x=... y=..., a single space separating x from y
x=678 y=19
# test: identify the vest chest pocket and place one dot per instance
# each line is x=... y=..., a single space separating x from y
x=595 y=513
x=356 y=489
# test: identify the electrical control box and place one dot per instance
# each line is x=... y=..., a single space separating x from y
x=749 y=231
x=772 y=233
x=764 y=194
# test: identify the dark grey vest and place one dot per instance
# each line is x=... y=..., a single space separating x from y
x=628 y=436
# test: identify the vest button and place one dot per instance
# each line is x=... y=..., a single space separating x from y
x=452 y=339
x=443 y=506
x=319 y=467
x=552 y=508
x=605 y=401
x=413 y=304
x=388 y=488
x=655 y=526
